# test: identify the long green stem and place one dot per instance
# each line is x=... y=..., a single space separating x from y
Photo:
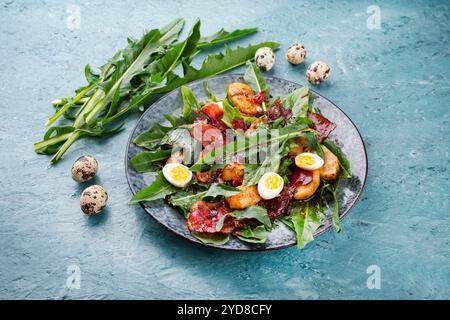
x=72 y=138
x=93 y=101
x=60 y=102
x=66 y=107
x=52 y=141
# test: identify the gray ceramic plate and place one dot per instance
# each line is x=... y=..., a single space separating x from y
x=346 y=135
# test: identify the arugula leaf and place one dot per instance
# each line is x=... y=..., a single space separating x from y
x=133 y=75
x=213 y=238
x=185 y=200
x=211 y=96
x=274 y=158
x=159 y=189
x=53 y=138
x=242 y=144
x=255 y=235
x=343 y=160
x=298 y=102
x=253 y=174
x=217 y=63
x=230 y=113
x=255 y=80
x=190 y=104
x=222 y=36
x=333 y=187
x=313 y=143
x=153 y=136
x=119 y=72
x=253 y=212
x=181 y=140
x=283 y=169
x=220 y=189
x=148 y=161
x=213 y=64
x=305 y=222
x=161 y=67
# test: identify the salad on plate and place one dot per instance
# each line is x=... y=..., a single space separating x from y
x=240 y=164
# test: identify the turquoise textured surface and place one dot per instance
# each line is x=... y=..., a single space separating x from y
x=393 y=82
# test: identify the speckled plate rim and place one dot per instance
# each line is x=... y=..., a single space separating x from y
x=256 y=248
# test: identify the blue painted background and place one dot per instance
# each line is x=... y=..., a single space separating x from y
x=393 y=82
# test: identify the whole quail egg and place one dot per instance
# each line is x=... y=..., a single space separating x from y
x=317 y=72
x=93 y=199
x=309 y=161
x=265 y=58
x=270 y=185
x=84 y=168
x=296 y=53
x=177 y=174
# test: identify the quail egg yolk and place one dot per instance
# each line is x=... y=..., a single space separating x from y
x=304 y=160
x=272 y=182
x=179 y=173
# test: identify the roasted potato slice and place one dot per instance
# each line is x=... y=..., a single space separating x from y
x=330 y=168
x=242 y=96
x=248 y=197
x=306 y=191
x=204 y=176
x=233 y=171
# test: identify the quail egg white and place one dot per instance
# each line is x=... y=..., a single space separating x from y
x=177 y=174
x=270 y=185
x=308 y=161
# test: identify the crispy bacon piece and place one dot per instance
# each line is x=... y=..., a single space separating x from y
x=219 y=124
x=300 y=177
x=204 y=217
x=213 y=111
x=280 y=204
x=207 y=134
x=260 y=97
x=278 y=111
x=239 y=124
x=208 y=176
x=322 y=125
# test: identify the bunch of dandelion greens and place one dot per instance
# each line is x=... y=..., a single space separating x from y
x=135 y=74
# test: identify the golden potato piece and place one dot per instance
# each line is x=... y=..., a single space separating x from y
x=241 y=96
x=248 y=197
x=204 y=176
x=306 y=191
x=330 y=168
x=232 y=171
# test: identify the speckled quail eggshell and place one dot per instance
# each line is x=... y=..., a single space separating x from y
x=317 y=72
x=84 y=168
x=93 y=199
x=296 y=53
x=265 y=58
